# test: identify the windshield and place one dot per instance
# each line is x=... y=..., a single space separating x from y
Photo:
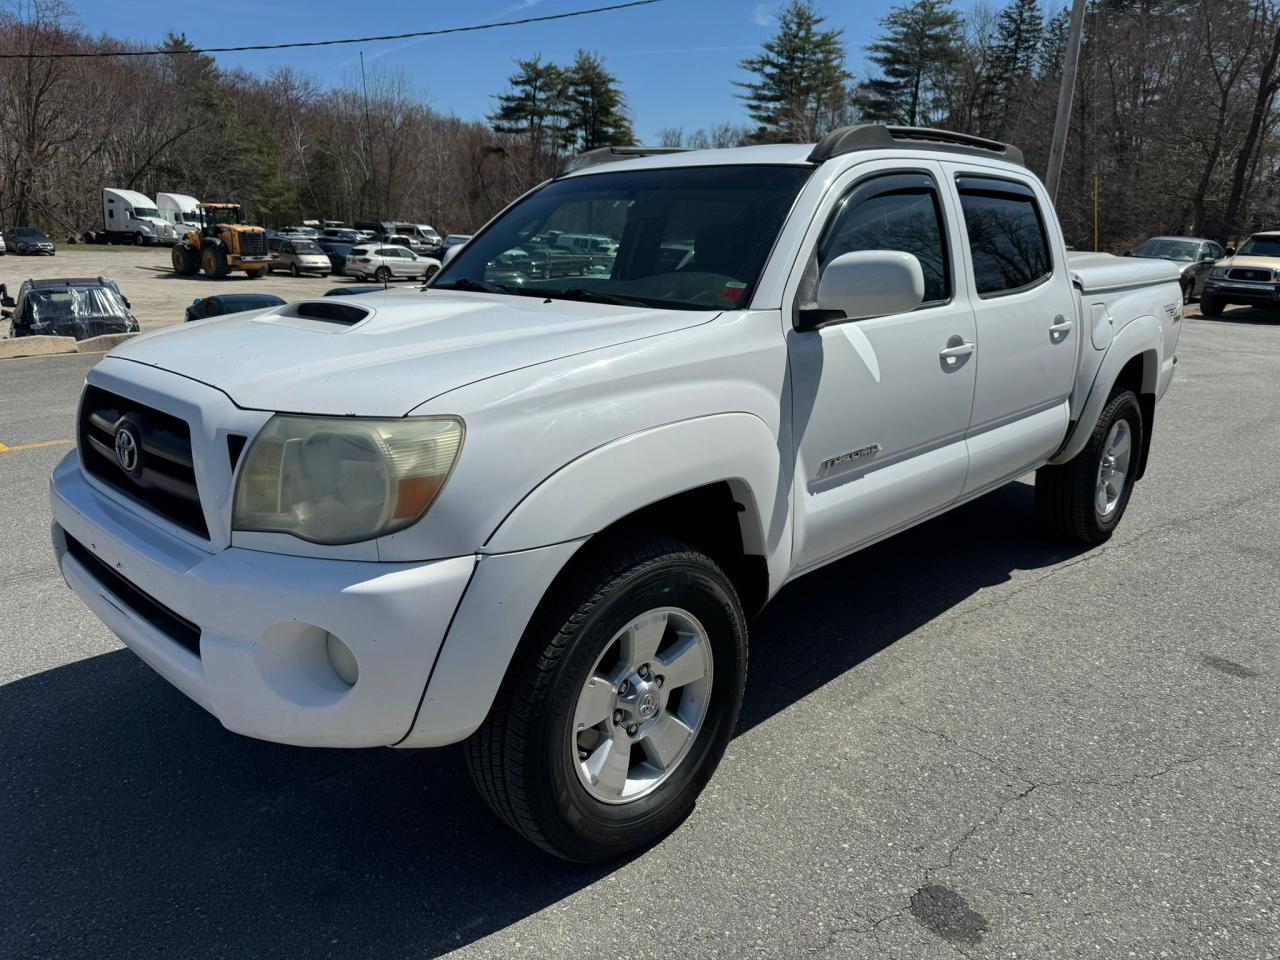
x=306 y=246
x=1258 y=246
x=1162 y=249
x=28 y=232
x=142 y=212
x=688 y=238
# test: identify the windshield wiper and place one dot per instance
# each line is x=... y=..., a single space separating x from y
x=594 y=296
x=477 y=286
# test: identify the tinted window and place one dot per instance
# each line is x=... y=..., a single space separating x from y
x=1006 y=236
x=1164 y=249
x=899 y=212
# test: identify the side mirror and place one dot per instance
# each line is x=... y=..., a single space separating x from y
x=866 y=283
x=1230 y=252
x=451 y=253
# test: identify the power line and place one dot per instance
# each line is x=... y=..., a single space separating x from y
x=328 y=43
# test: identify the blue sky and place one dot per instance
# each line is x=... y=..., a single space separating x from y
x=676 y=59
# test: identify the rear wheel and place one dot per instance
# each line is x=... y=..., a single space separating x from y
x=183 y=260
x=1210 y=306
x=1084 y=498
x=619 y=705
x=382 y=275
x=1188 y=290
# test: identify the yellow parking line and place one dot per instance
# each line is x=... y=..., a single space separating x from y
x=32 y=446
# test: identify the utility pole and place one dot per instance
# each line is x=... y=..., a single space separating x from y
x=1070 y=60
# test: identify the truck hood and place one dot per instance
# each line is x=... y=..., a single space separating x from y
x=410 y=347
x=1254 y=263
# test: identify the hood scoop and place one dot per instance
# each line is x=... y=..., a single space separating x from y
x=331 y=313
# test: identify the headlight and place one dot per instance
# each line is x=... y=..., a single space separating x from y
x=340 y=480
x=1218 y=273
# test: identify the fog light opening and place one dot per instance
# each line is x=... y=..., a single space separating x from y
x=342 y=660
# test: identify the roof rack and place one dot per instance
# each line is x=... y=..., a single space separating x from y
x=875 y=136
x=593 y=158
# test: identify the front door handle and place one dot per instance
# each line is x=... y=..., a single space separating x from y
x=1059 y=329
x=951 y=354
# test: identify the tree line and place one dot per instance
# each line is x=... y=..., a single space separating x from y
x=1174 y=121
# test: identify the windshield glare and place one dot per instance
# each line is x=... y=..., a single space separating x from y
x=1184 y=250
x=143 y=212
x=690 y=238
x=306 y=246
x=1260 y=247
x=73 y=303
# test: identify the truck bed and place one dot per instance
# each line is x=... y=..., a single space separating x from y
x=1104 y=272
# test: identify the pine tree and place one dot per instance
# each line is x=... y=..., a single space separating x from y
x=536 y=106
x=800 y=91
x=597 y=107
x=920 y=47
x=1053 y=44
x=1014 y=56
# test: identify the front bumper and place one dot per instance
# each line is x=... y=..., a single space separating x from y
x=260 y=664
x=1265 y=296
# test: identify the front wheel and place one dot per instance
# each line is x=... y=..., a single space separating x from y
x=294 y=271
x=1188 y=291
x=1084 y=498
x=619 y=704
x=1210 y=306
x=139 y=239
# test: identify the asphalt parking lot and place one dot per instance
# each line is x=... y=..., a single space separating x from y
x=966 y=740
x=145 y=274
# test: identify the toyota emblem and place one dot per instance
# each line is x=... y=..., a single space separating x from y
x=128 y=449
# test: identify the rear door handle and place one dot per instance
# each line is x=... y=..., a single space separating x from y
x=1059 y=329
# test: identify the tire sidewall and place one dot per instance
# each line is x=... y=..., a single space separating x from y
x=583 y=820
x=1124 y=406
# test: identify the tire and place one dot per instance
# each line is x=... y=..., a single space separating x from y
x=529 y=758
x=254 y=274
x=294 y=271
x=430 y=272
x=1070 y=497
x=139 y=240
x=182 y=265
x=214 y=262
x=1210 y=306
x=1188 y=291
x=382 y=274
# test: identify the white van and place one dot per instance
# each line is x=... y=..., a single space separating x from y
x=180 y=210
x=129 y=217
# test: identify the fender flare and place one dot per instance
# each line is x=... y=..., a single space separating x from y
x=1142 y=337
x=618 y=478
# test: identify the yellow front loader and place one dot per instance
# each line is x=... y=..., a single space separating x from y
x=222 y=244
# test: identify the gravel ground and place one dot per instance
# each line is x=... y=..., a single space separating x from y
x=964 y=741
x=159 y=296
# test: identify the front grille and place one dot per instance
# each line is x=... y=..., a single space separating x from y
x=253 y=243
x=177 y=628
x=1253 y=276
x=164 y=477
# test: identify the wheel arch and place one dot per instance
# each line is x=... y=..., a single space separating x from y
x=1132 y=361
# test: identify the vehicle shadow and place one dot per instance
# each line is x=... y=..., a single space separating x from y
x=134 y=825
x=1246 y=315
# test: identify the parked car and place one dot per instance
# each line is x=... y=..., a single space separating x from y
x=1195 y=257
x=80 y=307
x=1249 y=276
x=870 y=331
x=410 y=243
x=3 y=249
x=337 y=252
x=28 y=240
x=299 y=255
x=340 y=234
x=221 y=304
x=351 y=290
x=384 y=262
x=454 y=240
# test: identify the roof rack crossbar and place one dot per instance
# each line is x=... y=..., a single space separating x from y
x=593 y=158
x=875 y=136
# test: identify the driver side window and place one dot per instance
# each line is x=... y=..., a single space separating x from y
x=893 y=212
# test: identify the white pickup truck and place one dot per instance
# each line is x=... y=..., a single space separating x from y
x=532 y=512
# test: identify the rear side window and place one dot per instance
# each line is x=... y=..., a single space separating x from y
x=893 y=212
x=1007 y=238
